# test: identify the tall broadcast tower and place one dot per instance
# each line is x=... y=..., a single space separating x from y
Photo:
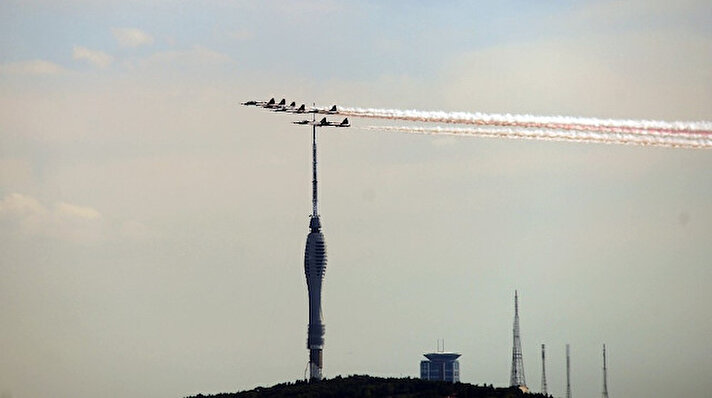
x=605 y=374
x=314 y=269
x=517 y=378
x=315 y=251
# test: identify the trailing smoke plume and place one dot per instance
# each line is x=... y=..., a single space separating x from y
x=663 y=140
x=531 y=121
x=552 y=128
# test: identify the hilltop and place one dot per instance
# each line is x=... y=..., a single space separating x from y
x=368 y=386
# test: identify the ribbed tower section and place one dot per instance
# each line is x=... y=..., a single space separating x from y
x=517 y=377
x=314 y=269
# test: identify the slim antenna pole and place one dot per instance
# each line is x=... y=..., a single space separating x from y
x=314 y=180
x=605 y=374
x=543 y=371
x=568 y=373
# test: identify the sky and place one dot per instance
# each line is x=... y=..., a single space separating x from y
x=152 y=230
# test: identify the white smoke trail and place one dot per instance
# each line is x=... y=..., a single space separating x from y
x=662 y=140
x=643 y=127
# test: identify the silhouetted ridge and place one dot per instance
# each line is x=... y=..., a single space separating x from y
x=367 y=386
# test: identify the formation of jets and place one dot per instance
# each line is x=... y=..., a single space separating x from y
x=282 y=106
x=325 y=123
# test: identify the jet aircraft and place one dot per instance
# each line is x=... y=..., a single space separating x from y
x=303 y=109
x=330 y=111
x=325 y=123
x=287 y=108
x=271 y=105
x=258 y=103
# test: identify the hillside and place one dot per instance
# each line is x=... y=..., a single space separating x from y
x=367 y=386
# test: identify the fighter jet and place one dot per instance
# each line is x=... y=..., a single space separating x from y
x=287 y=108
x=303 y=109
x=271 y=105
x=330 y=111
x=325 y=123
x=258 y=103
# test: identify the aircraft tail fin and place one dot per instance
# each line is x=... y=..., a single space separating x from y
x=301 y=108
x=333 y=109
x=283 y=101
x=271 y=102
x=323 y=121
x=345 y=122
x=293 y=104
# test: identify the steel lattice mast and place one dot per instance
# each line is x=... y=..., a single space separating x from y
x=605 y=374
x=543 y=371
x=517 y=377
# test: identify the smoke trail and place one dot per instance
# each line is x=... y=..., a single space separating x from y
x=662 y=140
x=642 y=127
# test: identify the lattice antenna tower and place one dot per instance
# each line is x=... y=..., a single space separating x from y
x=517 y=376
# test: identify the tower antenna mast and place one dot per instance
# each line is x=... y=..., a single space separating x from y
x=605 y=374
x=568 y=373
x=517 y=376
x=543 y=371
x=315 y=210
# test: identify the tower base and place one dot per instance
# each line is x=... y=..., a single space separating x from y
x=315 y=364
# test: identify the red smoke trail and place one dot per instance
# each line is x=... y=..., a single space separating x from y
x=642 y=127
x=669 y=140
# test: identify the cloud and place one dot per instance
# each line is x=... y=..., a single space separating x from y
x=96 y=58
x=16 y=205
x=26 y=217
x=33 y=67
x=131 y=37
x=70 y=211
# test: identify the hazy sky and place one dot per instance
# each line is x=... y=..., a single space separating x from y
x=152 y=230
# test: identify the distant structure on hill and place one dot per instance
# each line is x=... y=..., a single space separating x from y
x=441 y=366
x=517 y=376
